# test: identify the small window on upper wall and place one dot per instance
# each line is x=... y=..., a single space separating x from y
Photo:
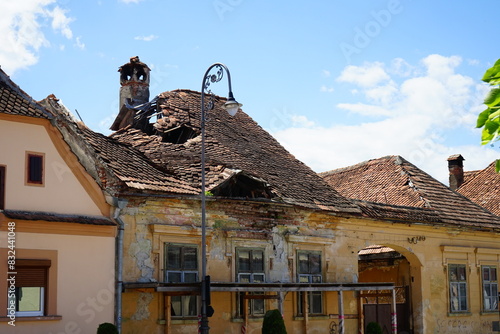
x=35 y=163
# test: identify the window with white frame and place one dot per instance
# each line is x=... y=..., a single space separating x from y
x=309 y=271
x=29 y=294
x=457 y=278
x=181 y=266
x=490 y=288
x=250 y=269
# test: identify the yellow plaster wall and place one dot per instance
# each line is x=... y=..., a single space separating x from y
x=149 y=224
x=62 y=191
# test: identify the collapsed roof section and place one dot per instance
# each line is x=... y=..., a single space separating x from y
x=116 y=167
x=242 y=159
x=393 y=187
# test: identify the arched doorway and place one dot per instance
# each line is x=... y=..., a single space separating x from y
x=382 y=263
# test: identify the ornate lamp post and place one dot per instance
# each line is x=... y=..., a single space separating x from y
x=231 y=107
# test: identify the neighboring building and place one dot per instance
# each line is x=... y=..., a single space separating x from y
x=56 y=237
x=442 y=248
x=480 y=186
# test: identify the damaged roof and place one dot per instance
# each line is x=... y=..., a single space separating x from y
x=242 y=159
x=14 y=101
x=115 y=166
x=483 y=188
x=393 y=188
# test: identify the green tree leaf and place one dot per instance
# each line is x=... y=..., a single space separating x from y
x=492 y=75
x=483 y=117
x=493 y=97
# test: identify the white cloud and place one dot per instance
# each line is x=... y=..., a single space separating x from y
x=79 y=44
x=146 y=38
x=326 y=73
x=21 y=34
x=326 y=89
x=60 y=22
x=365 y=76
x=364 y=109
x=416 y=111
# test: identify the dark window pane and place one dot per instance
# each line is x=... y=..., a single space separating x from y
x=244 y=261
x=453 y=273
x=190 y=258
x=258 y=306
x=35 y=168
x=486 y=273
x=461 y=273
x=315 y=263
x=315 y=306
x=190 y=277
x=303 y=263
x=493 y=274
x=174 y=277
x=257 y=261
x=173 y=257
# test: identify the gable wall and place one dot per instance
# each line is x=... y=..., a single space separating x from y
x=63 y=192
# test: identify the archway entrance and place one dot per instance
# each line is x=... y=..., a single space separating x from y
x=377 y=263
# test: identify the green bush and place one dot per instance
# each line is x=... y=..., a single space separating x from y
x=107 y=328
x=373 y=328
x=273 y=323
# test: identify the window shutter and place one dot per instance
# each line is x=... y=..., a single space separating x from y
x=32 y=273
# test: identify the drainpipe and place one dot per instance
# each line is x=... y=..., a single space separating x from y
x=119 y=204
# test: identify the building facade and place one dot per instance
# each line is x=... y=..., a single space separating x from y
x=56 y=237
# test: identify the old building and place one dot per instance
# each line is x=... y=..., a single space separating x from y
x=56 y=238
x=336 y=251
x=439 y=246
x=480 y=186
x=379 y=241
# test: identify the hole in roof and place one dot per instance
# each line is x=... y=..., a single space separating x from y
x=178 y=135
x=243 y=186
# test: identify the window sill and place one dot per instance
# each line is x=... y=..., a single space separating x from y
x=250 y=319
x=42 y=318
x=460 y=314
x=184 y=321
x=493 y=312
x=313 y=317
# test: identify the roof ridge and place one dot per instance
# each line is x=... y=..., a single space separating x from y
x=358 y=165
x=11 y=84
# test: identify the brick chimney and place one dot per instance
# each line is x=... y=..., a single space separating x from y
x=456 y=169
x=134 y=90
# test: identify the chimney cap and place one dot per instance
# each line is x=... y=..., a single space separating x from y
x=456 y=157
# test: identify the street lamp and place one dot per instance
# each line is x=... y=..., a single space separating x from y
x=231 y=107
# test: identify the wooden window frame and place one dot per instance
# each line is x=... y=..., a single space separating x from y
x=458 y=283
x=312 y=278
x=492 y=298
x=253 y=304
x=32 y=274
x=183 y=300
x=50 y=309
x=29 y=172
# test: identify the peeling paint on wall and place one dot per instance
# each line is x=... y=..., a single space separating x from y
x=142 y=310
x=140 y=252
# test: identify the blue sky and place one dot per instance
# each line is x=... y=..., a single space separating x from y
x=336 y=82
